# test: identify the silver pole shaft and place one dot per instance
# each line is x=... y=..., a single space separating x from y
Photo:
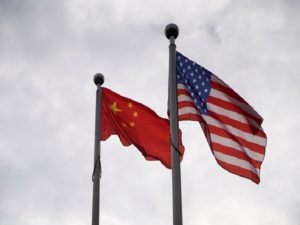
x=98 y=80
x=171 y=33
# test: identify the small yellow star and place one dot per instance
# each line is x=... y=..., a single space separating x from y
x=132 y=124
x=135 y=114
x=114 y=108
x=130 y=105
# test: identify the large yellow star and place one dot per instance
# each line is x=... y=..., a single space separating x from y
x=115 y=108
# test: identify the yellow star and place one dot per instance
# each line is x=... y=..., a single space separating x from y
x=132 y=124
x=130 y=105
x=124 y=124
x=135 y=114
x=114 y=108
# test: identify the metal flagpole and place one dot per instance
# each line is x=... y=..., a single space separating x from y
x=98 y=80
x=171 y=32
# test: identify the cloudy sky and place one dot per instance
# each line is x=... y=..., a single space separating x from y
x=49 y=52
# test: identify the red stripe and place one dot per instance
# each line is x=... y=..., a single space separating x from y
x=184 y=104
x=190 y=116
x=235 y=153
x=252 y=146
x=228 y=91
x=236 y=124
x=232 y=107
x=239 y=171
x=183 y=92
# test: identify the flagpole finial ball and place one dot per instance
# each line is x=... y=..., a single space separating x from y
x=98 y=78
x=171 y=30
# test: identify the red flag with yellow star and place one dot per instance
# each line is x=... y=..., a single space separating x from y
x=136 y=124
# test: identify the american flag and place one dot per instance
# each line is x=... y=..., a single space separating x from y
x=231 y=126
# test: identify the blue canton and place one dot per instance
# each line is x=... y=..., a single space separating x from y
x=196 y=79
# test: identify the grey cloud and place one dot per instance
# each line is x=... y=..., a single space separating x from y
x=49 y=52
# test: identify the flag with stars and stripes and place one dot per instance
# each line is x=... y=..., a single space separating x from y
x=231 y=126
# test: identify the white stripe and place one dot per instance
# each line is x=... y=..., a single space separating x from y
x=187 y=110
x=221 y=95
x=181 y=86
x=236 y=132
x=185 y=98
x=232 y=144
x=236 y=162
x=232 y=115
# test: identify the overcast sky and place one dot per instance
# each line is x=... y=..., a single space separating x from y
x=49 y=52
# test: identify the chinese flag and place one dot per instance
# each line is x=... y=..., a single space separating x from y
x=136 y=124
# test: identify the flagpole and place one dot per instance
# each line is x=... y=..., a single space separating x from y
x=98 y=80
x=171 y=32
